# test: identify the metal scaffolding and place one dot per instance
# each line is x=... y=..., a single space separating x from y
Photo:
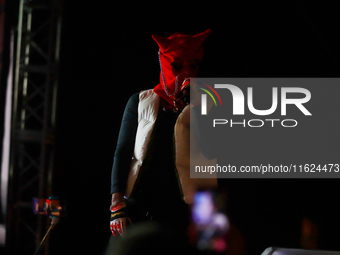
x=33 y=122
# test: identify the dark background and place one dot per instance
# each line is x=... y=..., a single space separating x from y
x=107 y=54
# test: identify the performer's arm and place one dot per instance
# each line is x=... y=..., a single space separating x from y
x=121 y=166
x=205 y=140
x=125 y=146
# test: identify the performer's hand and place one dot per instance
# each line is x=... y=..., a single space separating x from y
x=119 y=226
x=182 y=99
x=119 y=219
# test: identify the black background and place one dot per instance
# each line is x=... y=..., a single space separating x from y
x=107 y=54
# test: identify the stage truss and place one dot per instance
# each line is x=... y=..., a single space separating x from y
x=33 y=122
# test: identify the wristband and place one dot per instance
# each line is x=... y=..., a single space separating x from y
x=117 y=206
x=118 y=215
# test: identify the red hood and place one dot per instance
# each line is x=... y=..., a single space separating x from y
x=179 y=46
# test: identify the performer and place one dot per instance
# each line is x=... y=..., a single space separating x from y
x=150 y=175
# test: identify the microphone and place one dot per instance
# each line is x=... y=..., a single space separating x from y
x=182 y=99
